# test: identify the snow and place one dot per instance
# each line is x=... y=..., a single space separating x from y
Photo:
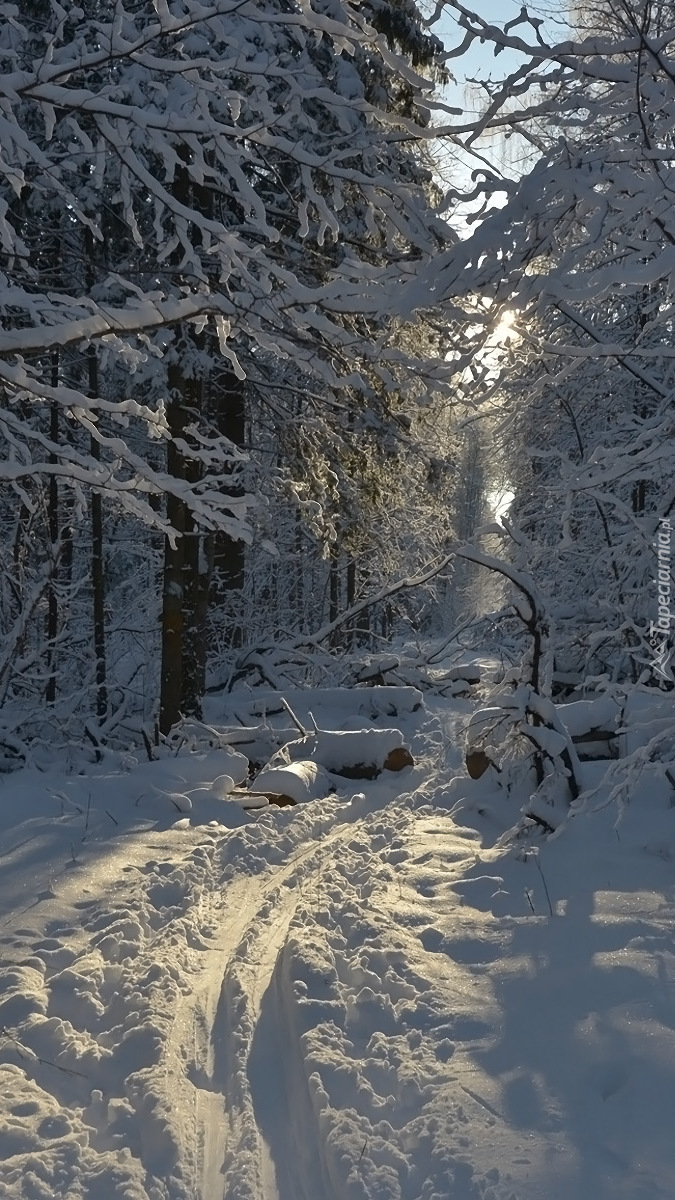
x=339 y=702
x=582 y=716
x=302 y=780
x=381 y=995
x=339 y=749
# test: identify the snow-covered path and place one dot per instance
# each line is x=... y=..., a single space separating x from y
x=159 y=995
x=305 y=948
x=356 y=1000
x=242 y=1072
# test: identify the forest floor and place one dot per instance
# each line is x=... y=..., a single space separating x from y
x=376 y=996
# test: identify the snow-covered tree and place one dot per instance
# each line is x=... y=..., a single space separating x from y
x=238 y=172
x=581 y=252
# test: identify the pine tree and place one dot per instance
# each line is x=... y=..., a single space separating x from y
x=224 y=173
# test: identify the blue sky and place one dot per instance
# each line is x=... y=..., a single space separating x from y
x=480 y=62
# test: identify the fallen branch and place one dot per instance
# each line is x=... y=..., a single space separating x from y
x=368 y=602
x=294 y=719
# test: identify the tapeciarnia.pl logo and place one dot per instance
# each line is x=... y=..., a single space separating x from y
x=659 y=630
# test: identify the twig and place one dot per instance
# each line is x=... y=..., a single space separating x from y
x=548 y=898
x=95 y=743
x=148 y=746
x=531 y=816
x=293 y=717
x=25 y=1052
x=86 y=819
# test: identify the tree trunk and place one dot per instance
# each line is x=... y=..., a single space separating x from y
x=363 y=620
x=334 y=587
x=174 y=702
x=97 y=562
x=227 y=410
x=350 y=628
x=297 y=590
x=199 y=568
x=53 y=523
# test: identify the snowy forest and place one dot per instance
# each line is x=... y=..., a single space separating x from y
x=265 y=372
x=337 y=453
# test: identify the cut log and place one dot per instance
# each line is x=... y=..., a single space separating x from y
x=470 y=674
x=591 y=725
x=582 y=716
x=398 y=759
x=298 y=781
x=477 y=763
x=596 y=744
x=369 y=702
x=353 y=754
x=274 y=798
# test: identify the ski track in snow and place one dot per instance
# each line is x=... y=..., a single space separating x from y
x=262 y=1119
x=146 y=1015
x=236 y=1159
x=340 y=1002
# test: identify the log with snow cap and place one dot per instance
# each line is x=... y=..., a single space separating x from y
x=295 y=777
x=293 y=783
x=354 y=754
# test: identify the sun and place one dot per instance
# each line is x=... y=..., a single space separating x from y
x=505 y=327
x=499 y=502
